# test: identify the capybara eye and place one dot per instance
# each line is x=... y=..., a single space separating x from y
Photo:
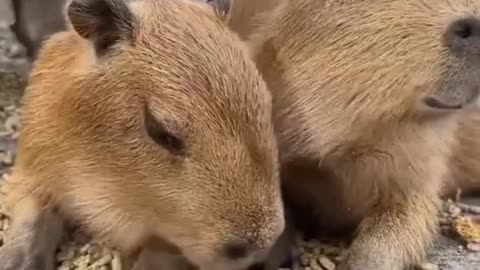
x=160 y=135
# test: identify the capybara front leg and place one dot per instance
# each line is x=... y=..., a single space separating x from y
x=32 y=238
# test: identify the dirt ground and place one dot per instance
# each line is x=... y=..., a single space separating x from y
x=78 y=252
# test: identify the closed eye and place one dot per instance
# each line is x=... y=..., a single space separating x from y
x=158 y=132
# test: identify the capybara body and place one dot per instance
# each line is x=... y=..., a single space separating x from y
x=147 y=121
x=464 y=162
x=367 y=97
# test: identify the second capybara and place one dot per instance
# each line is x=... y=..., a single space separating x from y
x=367 y=98
x=147 y=124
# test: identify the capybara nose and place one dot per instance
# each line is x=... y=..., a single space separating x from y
x=463 y=36
x=238 y=250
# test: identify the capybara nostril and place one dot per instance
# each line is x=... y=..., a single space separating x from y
x=237 y=250
x=463 y=35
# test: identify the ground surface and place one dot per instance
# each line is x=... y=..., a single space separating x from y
x=78 y=253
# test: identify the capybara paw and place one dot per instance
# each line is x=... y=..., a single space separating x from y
x=17 y=258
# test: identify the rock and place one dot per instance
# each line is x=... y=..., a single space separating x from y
x=8 y=158
x=454 y=210
x=12 y=123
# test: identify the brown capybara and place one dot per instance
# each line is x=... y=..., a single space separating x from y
x=366 y=101
x=149 y=125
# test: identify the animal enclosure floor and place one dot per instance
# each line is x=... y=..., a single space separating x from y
x=78 y=252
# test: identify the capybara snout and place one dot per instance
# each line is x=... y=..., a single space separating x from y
x=149 y=120
x=462 y=40
x=428 y=49
x=455 y=41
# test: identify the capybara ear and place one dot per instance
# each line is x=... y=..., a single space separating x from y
x=221 y=7
x=243 y=16
x=103 y=22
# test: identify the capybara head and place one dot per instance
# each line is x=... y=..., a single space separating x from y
x=159 y=118
x=365 y=60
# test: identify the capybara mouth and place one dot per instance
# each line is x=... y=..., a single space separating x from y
x=437 y=103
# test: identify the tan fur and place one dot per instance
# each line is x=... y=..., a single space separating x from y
x=464 y=162
x=84 y=149
x=359 y=144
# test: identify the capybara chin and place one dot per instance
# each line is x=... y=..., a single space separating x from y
x=366 y=100
x=146 y=121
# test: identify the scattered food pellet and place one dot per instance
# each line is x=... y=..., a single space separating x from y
x=473 y=247
x=326 y=262
x=468 y=229
x=428 y=266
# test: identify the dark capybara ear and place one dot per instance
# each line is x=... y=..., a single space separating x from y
x=222 y=7
x=103 y=22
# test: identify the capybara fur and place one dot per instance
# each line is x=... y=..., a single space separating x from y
x=142 y=122
x=366 y=101
x=464 y=162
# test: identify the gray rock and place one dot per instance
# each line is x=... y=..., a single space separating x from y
x=451 y=255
